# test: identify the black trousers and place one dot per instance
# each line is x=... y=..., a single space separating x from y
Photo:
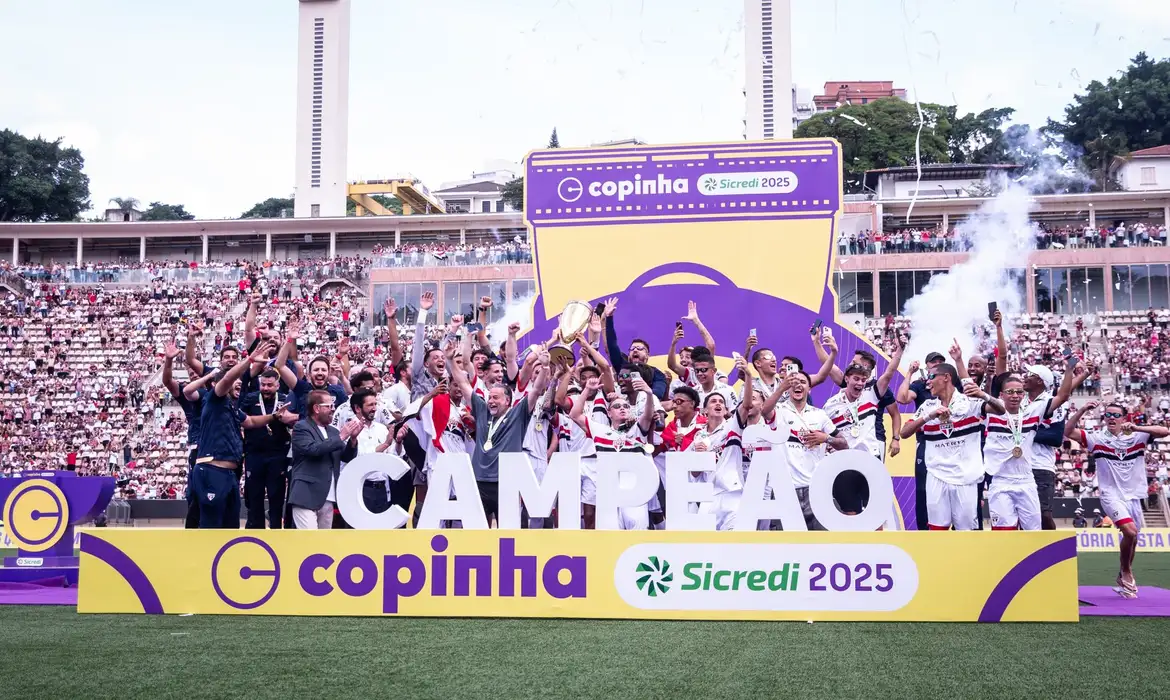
x=489 y=493
x=265 y=475
x=374 y=496
x=191 y=522
x=920 y=486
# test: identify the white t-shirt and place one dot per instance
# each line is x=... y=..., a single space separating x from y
x=1121 y=461
x=1044 y=456
x=790 y=423
x=730 y=395
x=861 y=415
x=1005 y=433
x=396 y=398
x=953 y=453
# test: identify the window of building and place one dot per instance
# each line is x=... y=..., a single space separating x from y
x=896 y=287
x=1149 y=176
x=522 y=289
x=405 y=295
x=499 y=205
x=315 y=210
x=463 y=298
x=854 y=292
x=485 y=207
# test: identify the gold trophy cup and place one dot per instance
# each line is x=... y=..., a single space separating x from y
x=574 y=320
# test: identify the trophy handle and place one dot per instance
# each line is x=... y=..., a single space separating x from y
x=681 y=267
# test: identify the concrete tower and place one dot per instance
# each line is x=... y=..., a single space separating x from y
x=322 y=107
x=768 y=31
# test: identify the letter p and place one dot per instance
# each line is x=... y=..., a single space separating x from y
x=393 y=586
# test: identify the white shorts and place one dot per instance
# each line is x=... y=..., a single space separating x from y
x=726 y=506
x=950 y=504
x=1122 y=510
x=588 y=484
x=1014 y=504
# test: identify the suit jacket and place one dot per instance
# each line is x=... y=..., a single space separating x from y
x=316 y=464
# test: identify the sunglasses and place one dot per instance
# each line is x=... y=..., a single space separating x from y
x=619 y=406
x=702 y=370
x=1114 y=414
x=1014 y=392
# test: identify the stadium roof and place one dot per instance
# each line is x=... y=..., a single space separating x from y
x=937 y=171
x=481 y=187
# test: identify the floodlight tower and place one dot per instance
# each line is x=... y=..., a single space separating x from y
x=322 y=107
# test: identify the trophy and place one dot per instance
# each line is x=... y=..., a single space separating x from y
x=574 y=320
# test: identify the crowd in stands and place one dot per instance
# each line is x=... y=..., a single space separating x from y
x=78 y=375
x=515 y=252
x=936 y=240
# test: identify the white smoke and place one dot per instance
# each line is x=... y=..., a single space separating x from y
x=517 y=311
x=999 y=238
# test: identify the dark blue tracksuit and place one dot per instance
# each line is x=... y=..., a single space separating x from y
x=922 y=395
x=265 y=462
x=217 y=489
x=193 y=411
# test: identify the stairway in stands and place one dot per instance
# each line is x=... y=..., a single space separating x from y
x=1097 y=347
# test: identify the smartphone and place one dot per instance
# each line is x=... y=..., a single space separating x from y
x=818 y=324
x=736 y=356
x=600 y=308
x=791 y=368
x=1070 y=360
x=752 y=332
x=992 y=307
x=678 y=325
x=281 y=406
x=474 y=327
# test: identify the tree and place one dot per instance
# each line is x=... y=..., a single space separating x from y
x=553 y=141
x=271 y=208
x=390 y=202
x=513 y=193
x=40 y=180
x=979 y=138
x=882 y=134
x=157 y=211
x=1121 y=115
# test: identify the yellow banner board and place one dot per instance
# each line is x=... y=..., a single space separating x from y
x=655 y=575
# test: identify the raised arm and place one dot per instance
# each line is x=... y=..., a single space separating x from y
x=646 y=420
x=693 y=317
x=191 y=389
x=390 y=308
x=540 y=381
x=828 y=363
x=585 y=398
x=883 y=381
x=672 y=362
x=194 y=362
x=956 y=354
x=611 y=340
x=747 y=393
x=1073 y=378
x=287 y=376
x=904 y=394
x=1070 y=425
x=835 y=374
x=1001 y=354
x=485 y=303
x=172 y=351
x=343 y=355
x=250 y=320
x=425 y=302
x=510 y=351
x=608 y=382
x=458 y=375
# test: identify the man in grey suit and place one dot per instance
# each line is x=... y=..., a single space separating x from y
x=318 y=451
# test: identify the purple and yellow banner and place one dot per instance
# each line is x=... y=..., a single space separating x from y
x=889 y=576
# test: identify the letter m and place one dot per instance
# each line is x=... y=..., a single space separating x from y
x=561 y=485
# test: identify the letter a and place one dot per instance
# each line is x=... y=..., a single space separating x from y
x=452 y=473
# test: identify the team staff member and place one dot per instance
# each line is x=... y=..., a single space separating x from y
x=500 y=426
x=639 y=352
x=266 y=448
x=373 y=436
x=918 y=393
x=318 y=451
x=215 y=479
x=191 y=411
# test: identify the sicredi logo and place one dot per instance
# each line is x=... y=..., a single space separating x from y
x=843 y=577
x=570 y=188
x=771 y=182
x=408 y=575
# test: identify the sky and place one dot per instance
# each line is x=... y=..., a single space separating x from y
x=193 y=103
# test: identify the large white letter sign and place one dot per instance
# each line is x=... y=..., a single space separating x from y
x=453 y=473
x=349 y=491
x=627 y=482
x=881 y=492
x=561 y=484
x=683 y=492
x=769 y=468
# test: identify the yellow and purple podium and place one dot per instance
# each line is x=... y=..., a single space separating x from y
x=40 y=512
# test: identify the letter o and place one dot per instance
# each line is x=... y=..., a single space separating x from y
x=364 y=585
x=881 y=492
x=609 y=189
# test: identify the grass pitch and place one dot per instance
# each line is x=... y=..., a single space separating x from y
x=55 y=653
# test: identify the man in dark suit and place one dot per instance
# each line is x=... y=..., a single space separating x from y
x=318 y=451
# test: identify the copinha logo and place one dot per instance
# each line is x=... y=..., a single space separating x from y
x=654 y=576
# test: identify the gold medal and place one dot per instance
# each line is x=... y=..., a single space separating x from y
x=487 y=444
x=1017 y=452
x=855 y=431
x=648 y=449
x=540 y=426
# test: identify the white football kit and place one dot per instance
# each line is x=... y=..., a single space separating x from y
x=954 y=462
x=1121 y=473
x=1012 y=497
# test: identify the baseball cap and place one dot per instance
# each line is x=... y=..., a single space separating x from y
x=935 y=357
x=1043 y=372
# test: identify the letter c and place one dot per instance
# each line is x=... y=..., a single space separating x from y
x=595 y=189
x=308 y=577
x=720 y=586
